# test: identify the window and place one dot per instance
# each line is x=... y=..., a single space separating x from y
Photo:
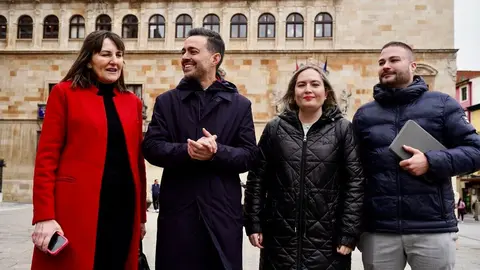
x=212 y=22
x=464 y=93
x=50 y=27
x=136 y=89
x=103 y=23
x=25 y=27
x=50 y=87
x=294 y=26
x=323 y=25
x=3 y=27
x=266 y=26
x=156 y=26
x=183 y=26
x=77 y=27
x=130 y=27
x=238 y=26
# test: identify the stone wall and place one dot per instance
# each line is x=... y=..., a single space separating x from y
x=260 y=67
x=263 y=78
x=425 y=24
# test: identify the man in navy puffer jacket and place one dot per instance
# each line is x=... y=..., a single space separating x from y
x=409 y=219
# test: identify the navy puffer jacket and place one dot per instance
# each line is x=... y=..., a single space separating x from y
x=396 y=201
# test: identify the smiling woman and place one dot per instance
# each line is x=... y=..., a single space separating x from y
x=88 y=157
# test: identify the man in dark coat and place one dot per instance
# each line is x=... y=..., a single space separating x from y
x=409 y=204
x=155 y=194
x=202 y=134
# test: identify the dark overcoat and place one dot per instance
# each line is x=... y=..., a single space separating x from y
x=200 y=219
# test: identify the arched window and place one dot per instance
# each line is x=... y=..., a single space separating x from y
x=50 y=27
x=3 y=27
x=238 y=26
x=266 y=26
x=183 y=26
x=294 y=26
x=212 y=22
x=130 y=27
x=104 y=22
x=323 y=25
x=77 y=27
x=156 y=26
x=25 y=27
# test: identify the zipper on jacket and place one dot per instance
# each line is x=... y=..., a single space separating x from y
x=399 y=192
x=440 y=191
x=299 y=228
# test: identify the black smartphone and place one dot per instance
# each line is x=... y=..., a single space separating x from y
x=57 y=243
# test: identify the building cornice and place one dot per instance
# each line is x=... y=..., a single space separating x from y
x=473 y=108
x=341 y=51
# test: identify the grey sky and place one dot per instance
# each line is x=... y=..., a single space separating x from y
x=467 y=34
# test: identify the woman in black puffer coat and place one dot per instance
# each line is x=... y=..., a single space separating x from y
x=304 y=198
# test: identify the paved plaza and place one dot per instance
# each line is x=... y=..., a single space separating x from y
x=16 y=246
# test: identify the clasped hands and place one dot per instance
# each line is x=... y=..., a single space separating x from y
x=204 y=148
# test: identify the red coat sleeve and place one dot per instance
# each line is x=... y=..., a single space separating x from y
x=141 y=168
x=49 y=149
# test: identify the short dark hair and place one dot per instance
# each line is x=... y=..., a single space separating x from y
x=399 y=44
x=79 y=73
x=215 y=42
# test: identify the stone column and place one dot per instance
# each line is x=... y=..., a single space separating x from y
x=252 y=29
x=142 y=28
x=280 y=31
x=170 y=27
x=12 y=28
x=308 y=35
x=225 y=25
x=63 y=27
x=117 y=19
x=37 y=34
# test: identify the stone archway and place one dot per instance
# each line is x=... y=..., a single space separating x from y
x=428 y=73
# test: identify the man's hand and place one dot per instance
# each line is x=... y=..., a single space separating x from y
x=256 y=240
x=416 y=165
x=209 y=141
x=204 y=148
x=344 y=250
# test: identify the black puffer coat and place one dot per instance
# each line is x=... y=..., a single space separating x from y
x=306 y=195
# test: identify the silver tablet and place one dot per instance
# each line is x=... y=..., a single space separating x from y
x=413 y=135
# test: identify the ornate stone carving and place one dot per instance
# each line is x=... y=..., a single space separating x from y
x=425 y=70
x=345 y=98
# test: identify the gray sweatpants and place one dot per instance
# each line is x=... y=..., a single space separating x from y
x=421 y=251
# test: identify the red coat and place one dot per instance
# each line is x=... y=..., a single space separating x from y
x=69 y=169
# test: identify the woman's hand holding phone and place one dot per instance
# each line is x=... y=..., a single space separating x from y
x=43 y=232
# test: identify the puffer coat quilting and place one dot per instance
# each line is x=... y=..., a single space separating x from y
x=306 y=197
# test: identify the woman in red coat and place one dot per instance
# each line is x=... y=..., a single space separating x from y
x=89 y=181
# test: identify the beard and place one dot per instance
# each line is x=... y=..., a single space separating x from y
x=396 y=79
x=197 y=73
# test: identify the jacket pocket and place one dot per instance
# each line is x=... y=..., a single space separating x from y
x=442 y=202
x=65 y=179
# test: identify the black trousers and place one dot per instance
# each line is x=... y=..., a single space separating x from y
x=155 y=201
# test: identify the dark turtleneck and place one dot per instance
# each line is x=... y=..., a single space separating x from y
x=117 y=197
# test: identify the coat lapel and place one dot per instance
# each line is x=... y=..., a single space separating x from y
x=217 y=98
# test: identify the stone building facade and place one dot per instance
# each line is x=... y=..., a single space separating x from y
x=265 y=40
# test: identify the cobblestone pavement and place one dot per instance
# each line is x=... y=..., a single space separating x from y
x=16 y=247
